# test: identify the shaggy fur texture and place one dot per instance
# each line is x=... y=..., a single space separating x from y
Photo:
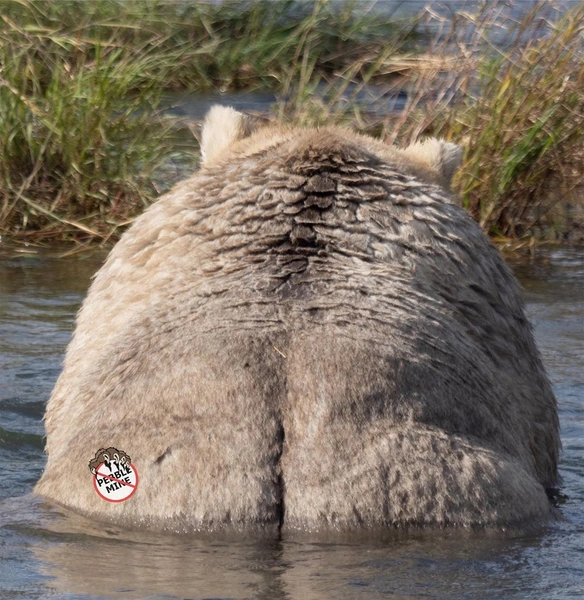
x=308 y=333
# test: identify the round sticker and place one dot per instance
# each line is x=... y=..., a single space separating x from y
x=116 y=486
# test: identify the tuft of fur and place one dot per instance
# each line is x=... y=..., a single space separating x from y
x=436 y=155
x=222 y=127
x=307 y=334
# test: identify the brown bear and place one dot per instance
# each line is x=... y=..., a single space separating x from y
x=306 y=334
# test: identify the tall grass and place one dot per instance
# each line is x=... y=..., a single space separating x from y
x=525 y=127
x=225 y=45
x=79 y=135
x=81 y=138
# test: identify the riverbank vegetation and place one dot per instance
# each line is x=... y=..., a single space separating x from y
x=85 y=146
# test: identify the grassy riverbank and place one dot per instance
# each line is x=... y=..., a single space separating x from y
x=84 y=148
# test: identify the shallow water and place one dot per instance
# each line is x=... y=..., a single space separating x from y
x=46 y=554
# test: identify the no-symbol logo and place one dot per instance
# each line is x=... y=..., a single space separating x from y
x=115 y=478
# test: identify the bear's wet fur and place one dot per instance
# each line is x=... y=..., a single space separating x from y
x=307 y=334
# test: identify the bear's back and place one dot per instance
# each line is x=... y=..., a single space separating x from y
x=309 y=335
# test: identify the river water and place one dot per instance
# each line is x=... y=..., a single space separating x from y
x=47 y=554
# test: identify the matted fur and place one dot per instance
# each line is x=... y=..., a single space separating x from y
x=308 y=333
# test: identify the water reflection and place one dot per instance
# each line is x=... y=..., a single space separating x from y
x=400 y=565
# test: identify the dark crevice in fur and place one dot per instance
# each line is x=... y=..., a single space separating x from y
x=164 y=455
x=280 y=483
x=555 y=496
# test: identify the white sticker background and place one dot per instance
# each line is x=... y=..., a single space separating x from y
x=118 y=485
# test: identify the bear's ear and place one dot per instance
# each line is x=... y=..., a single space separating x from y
x=222 y=127
x=440 y=156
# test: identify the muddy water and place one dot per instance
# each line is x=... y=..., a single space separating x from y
x=45 y=553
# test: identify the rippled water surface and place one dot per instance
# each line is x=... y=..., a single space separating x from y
x=46 y=554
